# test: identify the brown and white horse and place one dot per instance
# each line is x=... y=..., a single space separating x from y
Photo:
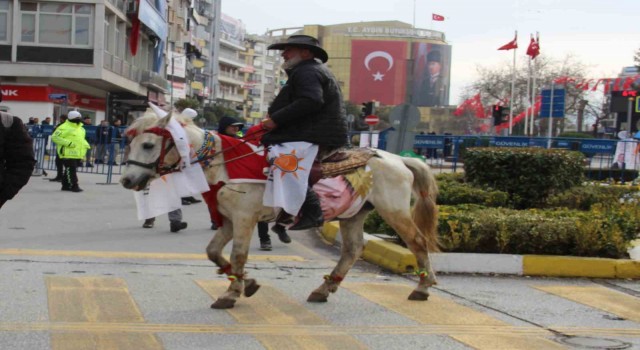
x=395 y=179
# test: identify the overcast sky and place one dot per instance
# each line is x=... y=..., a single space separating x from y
x=601 y=34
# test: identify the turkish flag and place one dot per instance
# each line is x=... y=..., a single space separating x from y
x=436 y=17
x=513 y=44
x=135 y=33
x=534 y=49
x=378 y=71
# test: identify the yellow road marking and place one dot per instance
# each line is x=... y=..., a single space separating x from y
x=299 y=330
x=272 y=307
x=441 y=311
x=599 y=297
x=90 y=300
x=136 y=255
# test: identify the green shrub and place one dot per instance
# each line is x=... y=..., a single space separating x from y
x=452 y=193
x=583 y=197
x=529 y=175
x=616 y=175
x=598 y=233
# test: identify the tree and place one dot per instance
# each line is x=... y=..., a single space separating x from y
x=183 y=103
x=494 y=84
x=636 y=58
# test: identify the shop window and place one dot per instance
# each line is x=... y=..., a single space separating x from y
x=5 y=16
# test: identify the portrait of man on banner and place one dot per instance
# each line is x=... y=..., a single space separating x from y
x=431 y=74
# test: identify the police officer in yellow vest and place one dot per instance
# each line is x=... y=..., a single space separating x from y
x=71 y=145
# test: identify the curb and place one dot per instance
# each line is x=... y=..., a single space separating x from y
x=400 y=260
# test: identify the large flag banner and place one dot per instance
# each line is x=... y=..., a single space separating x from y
x=431 y=74
x=378 y=71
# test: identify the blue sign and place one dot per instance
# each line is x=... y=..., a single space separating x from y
x=598 y=146
x=558 y=103
x=427 y=141
x=509 y=142
x=57 y=96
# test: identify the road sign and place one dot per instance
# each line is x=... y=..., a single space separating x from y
x=372 y=119
x=57 y=96
x=558 y=103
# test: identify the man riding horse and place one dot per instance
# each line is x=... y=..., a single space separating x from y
x=306 y=119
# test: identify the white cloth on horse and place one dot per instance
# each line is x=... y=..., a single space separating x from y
x=181 y=141
x=289 y=175
x=160 y=198
x=165 y=193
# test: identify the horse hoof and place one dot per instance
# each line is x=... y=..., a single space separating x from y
x=416 y=295
x=317 y=298
x=250 y=287
x=223 y=304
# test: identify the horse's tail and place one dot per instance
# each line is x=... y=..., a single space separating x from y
x=425 y=211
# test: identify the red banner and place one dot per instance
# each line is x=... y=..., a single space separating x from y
x=378 y=71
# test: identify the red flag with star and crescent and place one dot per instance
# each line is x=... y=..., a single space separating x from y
x=378 y=71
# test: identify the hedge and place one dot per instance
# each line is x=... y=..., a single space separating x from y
x=528 y=175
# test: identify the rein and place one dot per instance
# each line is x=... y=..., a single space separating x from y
x=162 y=169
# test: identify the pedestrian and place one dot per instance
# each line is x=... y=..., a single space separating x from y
x=46 y=121
x=87 y=123
x=175 y=221
x=103 y=138
x=17 y=159
x=58 y=161
x=307 y=118
x=72 y=148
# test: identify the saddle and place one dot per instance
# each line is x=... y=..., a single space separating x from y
x=339 y=162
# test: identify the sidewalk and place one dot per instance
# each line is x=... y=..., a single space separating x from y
x=400 y=260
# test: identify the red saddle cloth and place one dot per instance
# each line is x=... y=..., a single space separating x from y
x=245 y=162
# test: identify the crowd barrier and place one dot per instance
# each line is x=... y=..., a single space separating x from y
x=604 y=158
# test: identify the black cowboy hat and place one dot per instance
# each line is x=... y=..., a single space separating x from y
x=303 y=41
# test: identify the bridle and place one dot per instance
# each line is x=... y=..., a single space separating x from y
x=204 y=154
x=159 y=165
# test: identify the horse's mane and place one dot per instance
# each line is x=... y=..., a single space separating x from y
x=149 y=119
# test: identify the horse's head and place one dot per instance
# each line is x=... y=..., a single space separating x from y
x=152 y=151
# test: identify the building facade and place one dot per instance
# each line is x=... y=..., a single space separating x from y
x=388 y=61
x=56 y=56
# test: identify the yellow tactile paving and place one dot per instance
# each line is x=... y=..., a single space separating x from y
x=601 y=298
x=440 y=311
x=95 y=300
x=271 y=307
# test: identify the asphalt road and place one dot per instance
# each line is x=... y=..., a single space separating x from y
x=79 y=272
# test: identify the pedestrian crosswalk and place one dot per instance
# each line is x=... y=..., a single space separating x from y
x=103 y=312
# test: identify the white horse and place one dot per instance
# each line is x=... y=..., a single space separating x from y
x=394 y=180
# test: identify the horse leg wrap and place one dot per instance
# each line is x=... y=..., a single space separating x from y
x=226 y=270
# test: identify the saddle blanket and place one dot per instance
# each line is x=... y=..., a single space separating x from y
x=244 y=161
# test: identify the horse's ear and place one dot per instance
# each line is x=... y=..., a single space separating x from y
x=164 y=121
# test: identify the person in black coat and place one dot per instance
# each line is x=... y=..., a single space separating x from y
x=308 y=109
x=16 y=156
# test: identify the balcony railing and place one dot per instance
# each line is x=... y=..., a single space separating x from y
x=122 y=68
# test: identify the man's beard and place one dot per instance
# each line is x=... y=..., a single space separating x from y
x=292 y=62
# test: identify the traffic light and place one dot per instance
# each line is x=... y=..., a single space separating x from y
x=368 y=108
x=496 y=112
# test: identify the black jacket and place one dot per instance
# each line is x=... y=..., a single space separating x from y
x=16 y=159
x=309 y=108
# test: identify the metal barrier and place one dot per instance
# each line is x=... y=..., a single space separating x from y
x=604 y=159
x=109 y=165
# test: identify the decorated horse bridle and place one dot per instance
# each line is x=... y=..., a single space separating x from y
x=159 y=164
x=204 y=154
